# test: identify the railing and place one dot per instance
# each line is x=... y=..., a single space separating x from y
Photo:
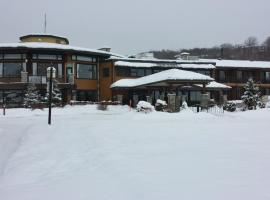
x=37 y=79
x=216 y=110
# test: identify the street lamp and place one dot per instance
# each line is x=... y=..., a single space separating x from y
x=51 y=71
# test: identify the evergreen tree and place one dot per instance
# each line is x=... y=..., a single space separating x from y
x=251 y=97
x=56 y=95
x=31 y=96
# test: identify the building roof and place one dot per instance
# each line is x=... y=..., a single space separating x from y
x=52 y=46
x=163 y=64
x=238 y=63
x=215 y=85
x=171 y=75
x=44 y=35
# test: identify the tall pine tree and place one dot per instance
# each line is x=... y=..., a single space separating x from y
x=251 y=97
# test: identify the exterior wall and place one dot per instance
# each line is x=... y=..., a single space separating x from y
x=105 y=82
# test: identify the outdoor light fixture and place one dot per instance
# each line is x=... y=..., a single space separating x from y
x=51 y=71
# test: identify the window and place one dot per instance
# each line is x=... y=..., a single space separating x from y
x=106 y=72
x=14 y=56
x=42 y=68
x=122 y=71
x=12 y=69
x=47 y=57
x=267 y=76
x=133 y=72
x=140 y=72
x=86 y=95
x=222 y=76
x=239 y=75
x=1 y=69
x=148 y=72
x=84 y=58
x=85 y=71
x=195 y=96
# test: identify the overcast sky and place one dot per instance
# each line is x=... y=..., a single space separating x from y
x=132 y=26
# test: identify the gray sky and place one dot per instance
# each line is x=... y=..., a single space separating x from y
x=131 y=26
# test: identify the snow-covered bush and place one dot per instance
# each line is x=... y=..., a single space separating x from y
x=251 y=97
x=230 y=106
x=184 y=105
x=160 y=105
x=145 y=107
x=32 y=99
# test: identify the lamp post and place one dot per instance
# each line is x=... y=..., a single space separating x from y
x=50 y=75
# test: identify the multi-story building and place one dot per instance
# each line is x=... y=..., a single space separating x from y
x=27 y=61
x=90 y=75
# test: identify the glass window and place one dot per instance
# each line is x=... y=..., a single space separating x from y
x=122 y=71
x=267 y=76
x=133 y=72
x=13 y=56
x=47 y=57
x=148 y=72
x=221 y=75
x=12 y=69
x=195 y=96
x=42 y=68
x=85 y=58
x=140 y=72
x=85 y=71
x=106 y=72
x=239 y=75
x=1 y=69
x=59 y=70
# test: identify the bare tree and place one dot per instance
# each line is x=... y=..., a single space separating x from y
x=251 y=41
x=267 y=42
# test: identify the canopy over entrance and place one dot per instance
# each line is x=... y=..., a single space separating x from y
x=169 y=78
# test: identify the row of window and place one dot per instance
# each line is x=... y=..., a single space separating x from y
x=46 y=57
x=132 y=72
x=243 y=76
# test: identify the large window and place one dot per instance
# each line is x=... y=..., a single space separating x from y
x=11 y=69
x=85 y=71
x=42 y=68
x=86 y=95
x=133 y=72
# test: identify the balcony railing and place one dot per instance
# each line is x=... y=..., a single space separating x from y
x=37 y=79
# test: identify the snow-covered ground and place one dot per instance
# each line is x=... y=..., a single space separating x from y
x=124 y=155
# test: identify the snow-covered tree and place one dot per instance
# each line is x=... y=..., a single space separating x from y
x=31 y=96
x=251 y=97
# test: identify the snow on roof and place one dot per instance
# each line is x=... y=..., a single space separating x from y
x=239 y=63
x=43 y=45
x=198 y=66
x=167 y=75
x=215 y=85
x=134 y=64
x=172 y=65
